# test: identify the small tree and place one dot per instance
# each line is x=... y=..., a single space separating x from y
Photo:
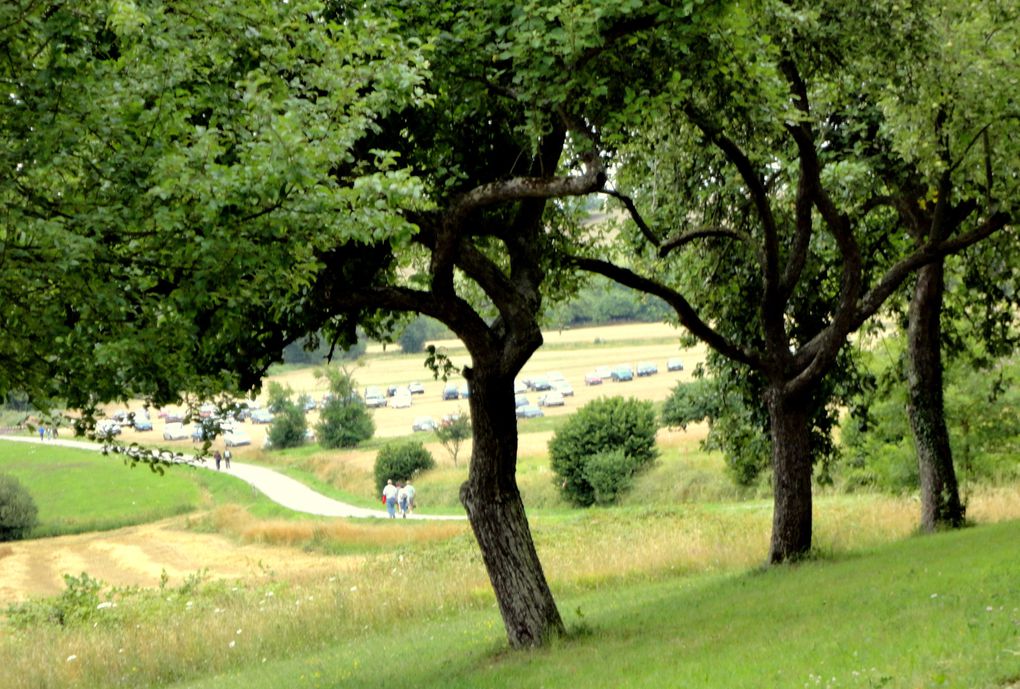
x=18 y=513
x=289 y=425
x=454 y=433
x=344 y=421
x=278 y=396
x=401 y=462
x=344 y=424
x=583 y=448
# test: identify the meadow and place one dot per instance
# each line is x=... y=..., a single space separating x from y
x=200 y=583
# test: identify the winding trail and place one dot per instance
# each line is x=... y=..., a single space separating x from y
x=279 y=488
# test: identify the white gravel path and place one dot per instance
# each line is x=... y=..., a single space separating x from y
x=281 y=489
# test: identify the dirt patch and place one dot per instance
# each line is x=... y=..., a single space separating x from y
x=138 y=555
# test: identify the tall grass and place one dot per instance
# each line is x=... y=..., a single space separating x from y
x=430 y=572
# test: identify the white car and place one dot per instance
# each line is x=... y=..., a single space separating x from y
x=176 y=431
x=424 y=423
x=236 y=437
x=401 y=399
x=553 y=398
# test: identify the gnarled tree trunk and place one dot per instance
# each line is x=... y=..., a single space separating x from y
x=791 y=477
x=496 y=512
x=940 y=496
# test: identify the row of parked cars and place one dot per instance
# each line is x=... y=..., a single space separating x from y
x=625 y=372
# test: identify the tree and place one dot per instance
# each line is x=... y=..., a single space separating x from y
x=285 y=169
x=344 y=420
x=453 y=433
x=401 y=461
x=289 y=425
x=412 y=338
x=779 y=203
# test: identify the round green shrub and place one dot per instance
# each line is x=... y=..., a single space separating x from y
x=401 y=462
x=18 y=513
x=343 y=423
x=591 y=436
x=289 y=426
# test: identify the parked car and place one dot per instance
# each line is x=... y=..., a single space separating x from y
x=564 y=388
x=552 y=398
x=142 y=423
x=449 y=420
x=235 y=438
x=555 y=377
x=529 y=411
x=416 y=388
x=647 y=368
x=604 y=372
x=262 y=416
x=674 y=365
x=423 y=423
x=199 y=433
x=519 y=387
x=107 y=428
x=175 y=430
x=540 y=384
x=374 y=398
x=622 y=374
x=464 y=390
x=521 y=401
x=401 y=400
x=592 y=378
x=450 y=392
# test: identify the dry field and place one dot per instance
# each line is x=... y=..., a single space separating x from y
x=570 y=352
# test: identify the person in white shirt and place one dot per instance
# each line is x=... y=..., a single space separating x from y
x=390 y=493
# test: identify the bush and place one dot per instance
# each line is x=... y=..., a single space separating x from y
x=343 y=423
x=289 y=426
x=601 y=447
x=401 y=462
x=18 y=513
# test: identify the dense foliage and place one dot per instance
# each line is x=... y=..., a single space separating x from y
x=401 y=461
x=344 y=423
x=601 y=446
x=289 y=425
x=18 y=512
x=981 y=409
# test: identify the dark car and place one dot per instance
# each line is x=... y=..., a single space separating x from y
x=450 y=392
x=529 y=411
x=674 y=365
x=622 y=373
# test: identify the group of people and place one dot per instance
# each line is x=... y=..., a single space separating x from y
x=224 y=458
x=399 y=496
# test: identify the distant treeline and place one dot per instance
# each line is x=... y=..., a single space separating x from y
x=602 y=302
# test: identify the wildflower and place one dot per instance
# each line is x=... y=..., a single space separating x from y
x=934 y=595
x=353 y=589
x=238 y=632
x=232 y=643
x=105 y=605
x=71 y=658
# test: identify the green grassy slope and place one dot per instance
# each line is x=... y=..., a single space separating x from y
x=941 y=611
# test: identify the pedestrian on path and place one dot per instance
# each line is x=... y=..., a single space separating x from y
x=226 y=459
x=218 y=457
x=390 y=493
x=402 y=499
x=409 y=489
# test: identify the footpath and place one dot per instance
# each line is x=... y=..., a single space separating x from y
x=281 y=489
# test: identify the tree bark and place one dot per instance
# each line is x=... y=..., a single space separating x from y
x=496 y=512
x=791 y=477
x=940 y=496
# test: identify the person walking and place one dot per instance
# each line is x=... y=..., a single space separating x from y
x=218 y=457
x=226 y=458
x=402 y=499
x=390 y=493
x=409 y=489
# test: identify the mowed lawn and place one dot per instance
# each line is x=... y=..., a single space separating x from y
x=78 y=491
x=938 y=611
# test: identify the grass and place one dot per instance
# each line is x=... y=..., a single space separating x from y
x=65 y=483
x=940 y=611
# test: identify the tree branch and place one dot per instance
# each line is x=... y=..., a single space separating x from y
x=685 y=312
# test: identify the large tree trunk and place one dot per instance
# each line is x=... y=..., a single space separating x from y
x=940 y=496
x=496 y=512
x=791 y=478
